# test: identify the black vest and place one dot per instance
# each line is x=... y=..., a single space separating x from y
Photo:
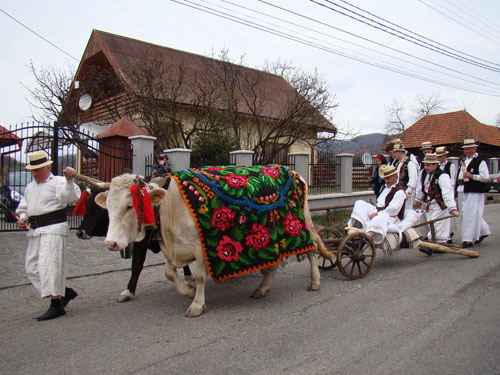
x=389 y=197
x=473 y=186
x=447 y=168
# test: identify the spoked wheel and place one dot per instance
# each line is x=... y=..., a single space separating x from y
x=356 y=255
x=327 y=235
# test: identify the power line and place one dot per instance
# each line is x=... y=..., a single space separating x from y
x=38 y=35
x=233 y=18
x=419 y=35
x=404 y=36
x=358 y=45
x=457 y=21
x=479 y=17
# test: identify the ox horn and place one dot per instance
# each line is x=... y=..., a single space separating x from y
x=92 y=181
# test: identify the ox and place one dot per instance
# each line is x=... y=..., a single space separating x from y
x=95 y=223
x=180 y=237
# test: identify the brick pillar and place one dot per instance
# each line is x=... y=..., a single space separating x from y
x=243 y=158
x=179 y=158
x=345 y=161
x=300 y=161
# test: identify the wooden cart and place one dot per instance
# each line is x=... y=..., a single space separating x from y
x=354 y=252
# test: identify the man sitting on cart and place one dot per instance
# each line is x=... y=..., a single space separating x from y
x=435 y=193
x=377 y=220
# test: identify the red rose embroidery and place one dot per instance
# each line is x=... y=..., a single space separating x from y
x=271 y=172
x=259 y=237
x=292 y=225
x=228 y=249
x=222 y=218
x=236 y=181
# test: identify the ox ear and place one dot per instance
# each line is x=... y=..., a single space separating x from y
x=157 y=195
x=100 y=199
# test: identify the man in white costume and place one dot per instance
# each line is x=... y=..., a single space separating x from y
x=451 y=170
x=434 y=191
x=472 y=178
x=408 y=173
x=42 y=211
x=385 y=217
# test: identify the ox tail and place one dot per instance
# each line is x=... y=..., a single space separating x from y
x=321 y=245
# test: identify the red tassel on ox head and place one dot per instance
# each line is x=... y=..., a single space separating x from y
x=142 y=202
x=80 y=207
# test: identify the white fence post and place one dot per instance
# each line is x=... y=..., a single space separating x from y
x=179 y=158
x=455 y=160
x=142 y=147
x=243 y=158
x=493 y=165
x=345 y=161
x=300 y=161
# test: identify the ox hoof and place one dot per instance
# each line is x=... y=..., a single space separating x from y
x=260 y=294
x=195 y=310
x=313 y=287
x=125 y=296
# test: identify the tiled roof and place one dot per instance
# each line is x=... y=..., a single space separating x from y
x=124 y=54
x=449 y=128
x=8 y=138
x=123 y=128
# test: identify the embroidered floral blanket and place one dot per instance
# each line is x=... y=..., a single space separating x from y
x=248 y=218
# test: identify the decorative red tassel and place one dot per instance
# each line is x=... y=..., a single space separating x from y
x=79 y=209
x=148 y=214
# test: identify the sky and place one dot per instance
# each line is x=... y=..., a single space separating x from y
x=348 y=54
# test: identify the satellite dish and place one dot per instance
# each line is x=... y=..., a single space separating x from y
x=366 y=158
x=85 y=102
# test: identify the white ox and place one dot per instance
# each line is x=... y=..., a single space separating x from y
x=180 y=238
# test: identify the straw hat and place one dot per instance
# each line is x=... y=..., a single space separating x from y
x=431 y=159
x=426 y=146
x=441 y=151
x=38 y=159
x=399 y=147
x=469 y=143
x=387 y=171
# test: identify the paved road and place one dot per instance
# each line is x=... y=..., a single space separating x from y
x=412 y=314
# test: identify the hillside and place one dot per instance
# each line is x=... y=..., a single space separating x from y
x=370 y=143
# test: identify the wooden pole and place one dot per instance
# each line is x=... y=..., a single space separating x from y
x=449 y=249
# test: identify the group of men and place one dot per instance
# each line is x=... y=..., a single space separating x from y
x=432 y=185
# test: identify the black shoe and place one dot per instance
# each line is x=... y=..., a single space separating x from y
x=68 y=296
x=449 y=242
x=425 y=251
x=56 y=310
x=481 y=238
x=357 y=224
x=466 y=244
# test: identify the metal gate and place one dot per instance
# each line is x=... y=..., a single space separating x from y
x=97 y=158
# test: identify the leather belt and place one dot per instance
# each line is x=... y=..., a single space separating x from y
x=54 y=217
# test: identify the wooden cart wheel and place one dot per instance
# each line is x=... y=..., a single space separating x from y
x=327 y=234
x=356 y=255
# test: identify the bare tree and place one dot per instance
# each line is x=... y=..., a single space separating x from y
x=396 y=124
x=427 y=106
x=49 y=97
x=398 y=119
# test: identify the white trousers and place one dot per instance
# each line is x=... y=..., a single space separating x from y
x=45 y=262
x=472 y=210
x=442 y=227
x=379 y=225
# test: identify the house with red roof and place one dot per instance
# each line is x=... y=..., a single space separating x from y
x=450 y=129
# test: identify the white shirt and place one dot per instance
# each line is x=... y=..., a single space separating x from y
x=53 y=194
x=395 y=204
x=453 y=172
x=483 y=176
x=412 y=174
x=447 y=192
